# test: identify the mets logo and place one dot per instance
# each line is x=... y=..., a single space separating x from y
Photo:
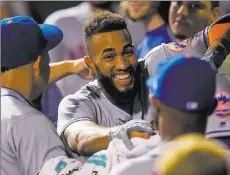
x=179 y=46
x=223 y=106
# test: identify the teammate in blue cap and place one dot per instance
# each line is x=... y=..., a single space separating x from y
x=184 y=99
x=29 y=140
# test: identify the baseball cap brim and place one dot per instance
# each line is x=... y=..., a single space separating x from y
x=52 y=34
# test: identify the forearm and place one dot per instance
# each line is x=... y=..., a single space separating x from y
x=62 y=69
x=87 y=139
x=91 y=143
x=59 y=70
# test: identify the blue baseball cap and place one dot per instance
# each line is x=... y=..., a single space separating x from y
x=184 y=83
x=23 y=40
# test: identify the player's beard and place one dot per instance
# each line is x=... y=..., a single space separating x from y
x=112 y=92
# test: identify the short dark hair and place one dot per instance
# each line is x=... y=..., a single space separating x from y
x=215 y=4
x=101 y=22
x=188 y=122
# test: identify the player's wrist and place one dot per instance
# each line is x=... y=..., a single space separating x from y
x=112 y=131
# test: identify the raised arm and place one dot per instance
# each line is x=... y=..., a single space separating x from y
x=62 y=69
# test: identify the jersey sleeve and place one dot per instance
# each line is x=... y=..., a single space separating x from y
x=75 y=108
x=195 y=46
x=34 y=141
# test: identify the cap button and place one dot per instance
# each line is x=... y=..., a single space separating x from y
x=9 y=22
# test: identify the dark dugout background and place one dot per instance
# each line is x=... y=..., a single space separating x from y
x=41 y=9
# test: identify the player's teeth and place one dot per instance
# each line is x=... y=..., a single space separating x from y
x=123 y=76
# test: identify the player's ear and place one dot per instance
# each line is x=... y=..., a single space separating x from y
x=90 y=64
x=36 y=66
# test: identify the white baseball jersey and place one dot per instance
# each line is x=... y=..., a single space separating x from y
x=29 y=140
x=103 y=161
x=140 y=165
x=72 y=47
x=145 y=164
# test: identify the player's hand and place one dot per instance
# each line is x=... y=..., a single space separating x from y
x=123 y=132
x=79 y=68
x=219 y=40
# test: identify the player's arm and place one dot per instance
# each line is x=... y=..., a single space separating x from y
x=62 y=69
x=78 y=128
x=86 y=137
x=219 y=40
x=76 y=125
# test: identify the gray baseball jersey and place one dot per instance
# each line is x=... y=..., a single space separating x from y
x=72 y=47
x=91 y=104
x=28 y=139
x=219 y=122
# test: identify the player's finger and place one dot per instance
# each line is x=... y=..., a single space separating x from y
x=127 y=142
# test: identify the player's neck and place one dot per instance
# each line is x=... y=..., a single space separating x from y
x=176 y=131
x=154 y=22
x=17 y=81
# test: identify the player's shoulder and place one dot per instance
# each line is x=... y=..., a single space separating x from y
x=72 y=13
x=18 y=113
x=154 y=53
x=153 y=58
x=87 y=94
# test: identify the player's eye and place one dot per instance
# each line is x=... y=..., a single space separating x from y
x=129 y=52
x=109 y=57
